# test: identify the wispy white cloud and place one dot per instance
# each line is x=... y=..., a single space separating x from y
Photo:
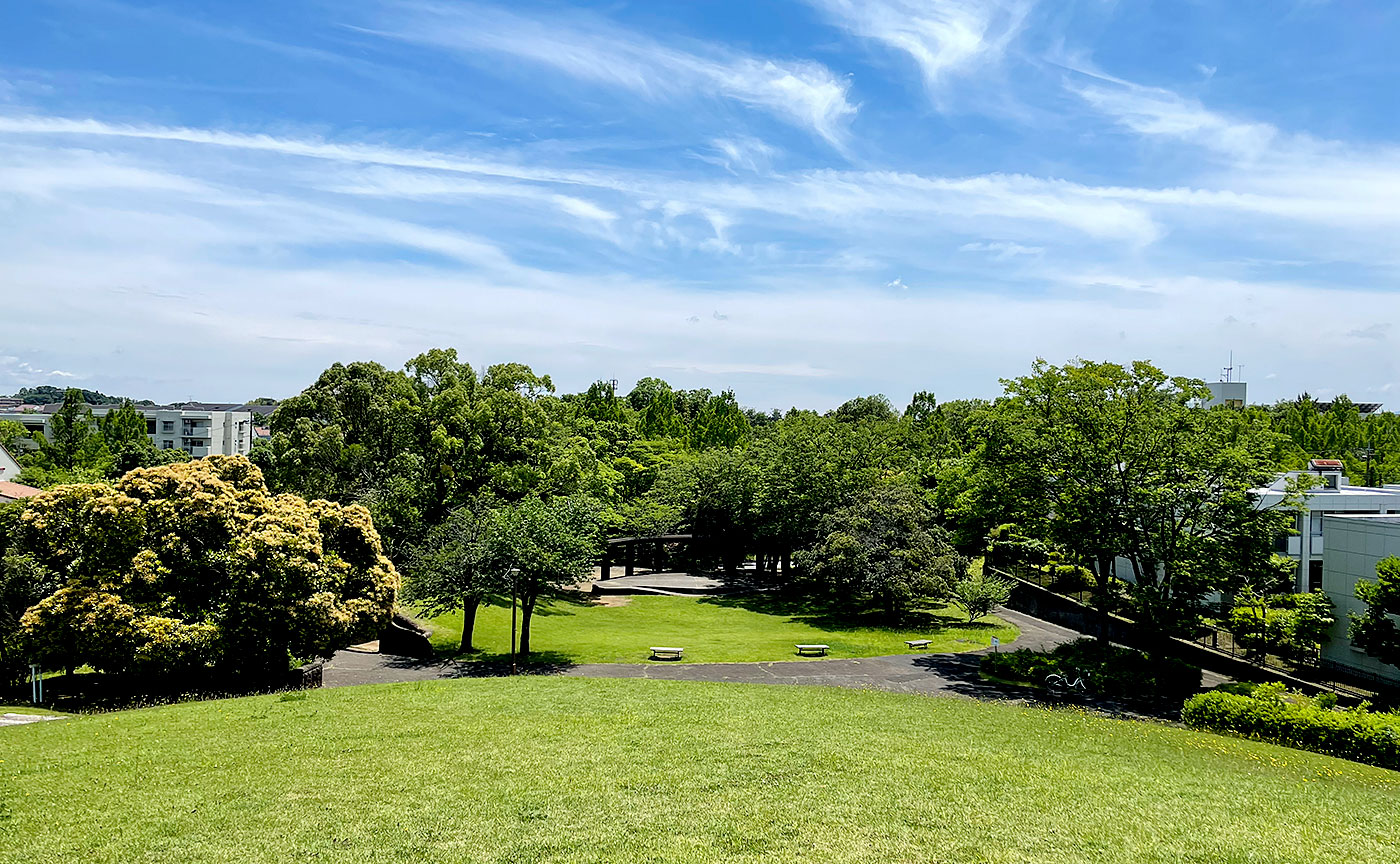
x=946 y=38
x=1158 y=112
x=741 y=154
x=1001 y=250
x=16 y=373
x=823 y=196
x=589 y=49
x=213 y=214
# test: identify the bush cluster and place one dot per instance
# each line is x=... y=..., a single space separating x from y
x=1293 y=720
x=192 y=571
x=1110 y=670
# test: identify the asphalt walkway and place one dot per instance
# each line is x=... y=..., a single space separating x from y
x=902 y=673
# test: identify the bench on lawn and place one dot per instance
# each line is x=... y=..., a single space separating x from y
x=666 y=653
x=819 y=650
x=917 y=643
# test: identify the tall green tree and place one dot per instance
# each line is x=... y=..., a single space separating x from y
x=72 y=438
x=883 y=552
x=552 y=546
x=714 y=493
x=721 y=423
x=459 y=565
x=1119 y=464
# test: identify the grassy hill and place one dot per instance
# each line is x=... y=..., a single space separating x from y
x=560 y=769
x=712 y=630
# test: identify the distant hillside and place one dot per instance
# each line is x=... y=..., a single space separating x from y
x=47 y=394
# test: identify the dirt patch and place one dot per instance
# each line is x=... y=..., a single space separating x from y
x=611 y=600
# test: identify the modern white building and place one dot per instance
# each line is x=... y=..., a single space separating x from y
x=1229 y=393
x=1333 y=494
x=1355 y=544
x=200 y=429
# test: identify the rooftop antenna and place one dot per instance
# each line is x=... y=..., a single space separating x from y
x=1232 y=372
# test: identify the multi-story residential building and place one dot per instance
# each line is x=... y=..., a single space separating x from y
x=198 y=428
x=1356 y=543
x=1331 y=494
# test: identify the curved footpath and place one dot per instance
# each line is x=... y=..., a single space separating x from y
x=902 y=673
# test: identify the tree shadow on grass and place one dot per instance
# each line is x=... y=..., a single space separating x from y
x=86 y=692
x=483 y=664
x=824 y=616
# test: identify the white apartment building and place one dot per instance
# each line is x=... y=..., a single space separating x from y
x=1333 y=496
x=1355 y=544
x=200 y=429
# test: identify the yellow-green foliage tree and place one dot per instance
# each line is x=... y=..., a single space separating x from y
x=196 y=568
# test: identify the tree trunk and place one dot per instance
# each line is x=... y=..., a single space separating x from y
x=469 y=607
x=527 y=609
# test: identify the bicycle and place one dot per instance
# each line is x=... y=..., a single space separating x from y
x=1065 y=685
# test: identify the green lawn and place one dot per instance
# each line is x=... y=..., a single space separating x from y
x=552 y=769
x=25 y=709
x=711 y=630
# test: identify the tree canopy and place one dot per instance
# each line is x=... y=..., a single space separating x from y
x=195 y=569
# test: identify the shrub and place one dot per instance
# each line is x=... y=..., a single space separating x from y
x=1294 y=720
x=1113 y=671
x=195 y=571
x=1071 y=579
x=977 y=594
x=1292 y=626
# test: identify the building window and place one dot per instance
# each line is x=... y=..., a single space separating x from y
x=167 y=425
x=1314 y=575
x=1317 y=523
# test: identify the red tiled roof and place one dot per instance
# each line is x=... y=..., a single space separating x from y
x=17 y=490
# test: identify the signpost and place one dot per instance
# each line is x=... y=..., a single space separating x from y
x=995 y=643
x=36 y=684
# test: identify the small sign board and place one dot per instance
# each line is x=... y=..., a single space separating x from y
x=995 y=642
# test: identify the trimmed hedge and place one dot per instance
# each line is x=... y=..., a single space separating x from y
x=1294 y=720
x=1110 y=670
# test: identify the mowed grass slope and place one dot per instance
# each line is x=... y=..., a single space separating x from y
x=587 y=770
x=711 y=631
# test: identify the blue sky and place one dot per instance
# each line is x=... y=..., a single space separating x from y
x=802 y=200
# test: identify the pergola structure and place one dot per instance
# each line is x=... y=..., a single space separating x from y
x=623 y=550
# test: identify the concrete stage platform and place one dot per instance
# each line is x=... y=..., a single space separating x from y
x=667 y=583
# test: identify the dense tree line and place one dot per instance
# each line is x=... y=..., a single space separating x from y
x=486 y=482
x=1369 y=446
x=47 y=394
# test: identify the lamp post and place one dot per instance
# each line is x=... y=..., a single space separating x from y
x=514 y=572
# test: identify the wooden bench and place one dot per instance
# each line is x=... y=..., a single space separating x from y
x=917 y=643
x=666 y=653
x=808 y=650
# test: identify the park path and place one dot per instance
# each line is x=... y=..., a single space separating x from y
x=10 y=719
x=949 y=674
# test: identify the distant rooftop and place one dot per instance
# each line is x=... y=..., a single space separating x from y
x=1361 y=407
x=53 y=407
x=16 y=491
